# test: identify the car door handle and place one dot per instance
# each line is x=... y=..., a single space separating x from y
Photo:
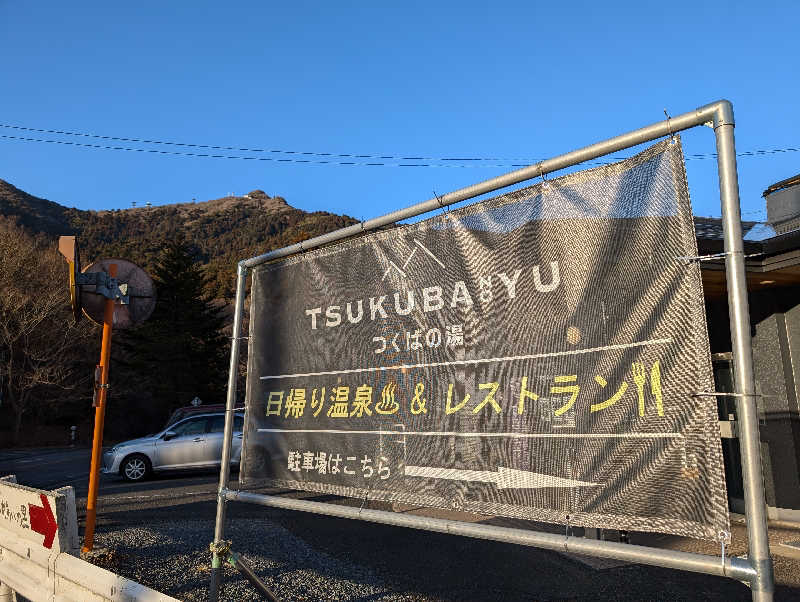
x=198 y=439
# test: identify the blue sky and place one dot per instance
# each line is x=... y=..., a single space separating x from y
x=434 y=79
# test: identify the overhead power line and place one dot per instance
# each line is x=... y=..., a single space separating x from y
x=251 y=150
x=324 y=158
x=272 y=159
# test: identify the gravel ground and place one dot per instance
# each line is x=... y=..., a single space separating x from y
x=157 y=532
x=308 y=557
x=173 y=557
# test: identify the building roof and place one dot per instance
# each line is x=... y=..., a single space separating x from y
x=710 y=228
x=758 y=237
x=771 y=260
x=787 y=183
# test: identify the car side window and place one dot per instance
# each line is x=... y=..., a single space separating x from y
x=216 y=424
x=195 y=426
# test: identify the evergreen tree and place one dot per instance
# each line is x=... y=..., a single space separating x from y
x=180 y=351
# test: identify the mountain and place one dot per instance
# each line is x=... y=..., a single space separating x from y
x=222 y=231
x=35 y=214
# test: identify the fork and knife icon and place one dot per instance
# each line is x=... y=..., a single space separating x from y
x=639 y=372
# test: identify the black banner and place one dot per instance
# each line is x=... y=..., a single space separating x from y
x=538 y=355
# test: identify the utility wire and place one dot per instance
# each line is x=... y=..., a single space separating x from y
x=378 y=160
x=251 y=158
x=251 y=150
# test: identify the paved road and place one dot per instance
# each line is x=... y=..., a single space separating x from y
x=48 y=468
x=160 y=530
x=51 y=468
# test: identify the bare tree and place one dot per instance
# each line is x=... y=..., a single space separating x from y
x=40 y=346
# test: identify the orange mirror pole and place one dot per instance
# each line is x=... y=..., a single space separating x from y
x=99 y=420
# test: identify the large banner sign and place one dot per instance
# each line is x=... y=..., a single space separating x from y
x=540 y=355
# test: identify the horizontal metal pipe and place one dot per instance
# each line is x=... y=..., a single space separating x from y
x=735 y=568
x=707 y=113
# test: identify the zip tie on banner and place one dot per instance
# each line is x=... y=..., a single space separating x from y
x=703 y=394
x=366 y=498
x=714 y=256
x=724 y=537
x=545 y=181
x=444 y=208
x=691 y=258
x=669 y=126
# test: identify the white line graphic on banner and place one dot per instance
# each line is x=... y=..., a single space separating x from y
x=392 y=264
x=424 y=248
x=475 y=361
x=514 y=435
x=504 y=478
x=401 y=271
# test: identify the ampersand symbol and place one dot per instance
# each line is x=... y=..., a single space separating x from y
x=418 y=402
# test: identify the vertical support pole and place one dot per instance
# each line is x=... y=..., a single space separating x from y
x=225 y=466
x=99 y=420
x=755 y=505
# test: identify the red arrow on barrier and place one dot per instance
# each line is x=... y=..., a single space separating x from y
x=43 y=521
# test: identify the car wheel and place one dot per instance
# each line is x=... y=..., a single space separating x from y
x=136 y=468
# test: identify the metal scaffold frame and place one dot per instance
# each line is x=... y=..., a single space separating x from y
x=756 y=569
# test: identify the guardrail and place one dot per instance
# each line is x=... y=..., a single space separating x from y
x=39 y=575
x=44 y=566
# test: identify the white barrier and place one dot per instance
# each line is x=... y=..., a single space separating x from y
x=54 y=573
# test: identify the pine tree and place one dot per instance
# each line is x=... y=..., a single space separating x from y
x=180 y=351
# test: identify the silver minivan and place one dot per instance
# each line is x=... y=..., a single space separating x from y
x=192 y=443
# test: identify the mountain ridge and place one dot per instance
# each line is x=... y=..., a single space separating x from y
x=220 y=231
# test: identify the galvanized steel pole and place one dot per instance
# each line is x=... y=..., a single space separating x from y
x=686 y=561
x=99 y=420
x=225 y=467
x=651 y=132
x=739 y=314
